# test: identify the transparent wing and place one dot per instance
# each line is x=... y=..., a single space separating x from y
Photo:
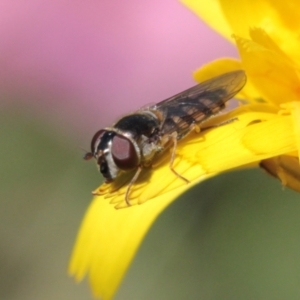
x=198 y=103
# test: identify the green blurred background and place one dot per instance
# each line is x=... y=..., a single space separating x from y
x=45 y=189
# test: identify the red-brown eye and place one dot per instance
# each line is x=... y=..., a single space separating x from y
x=123 y=153
x=95 y=138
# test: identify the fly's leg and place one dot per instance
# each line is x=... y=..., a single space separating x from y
x=196 y=128
x=221 y=124
x=173 y=138
x=132 y=181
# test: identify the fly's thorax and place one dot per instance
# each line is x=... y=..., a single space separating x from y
x=114 y=151
x=149 y=149
x=142 y=123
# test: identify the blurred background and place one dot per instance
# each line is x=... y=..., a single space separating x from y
x=70 y=68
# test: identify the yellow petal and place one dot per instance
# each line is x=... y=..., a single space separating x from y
x=294 y=109
x=108 y=239
x=223 y=65
x=285 y=168
x=261 y=37
x=282 y=140
x=271 y=73
x=212 y=13
x=232 y=16
x=216 y=68
x=279 y=19
x=244 y=141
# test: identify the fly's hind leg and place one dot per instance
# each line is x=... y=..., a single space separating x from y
x=220 y=124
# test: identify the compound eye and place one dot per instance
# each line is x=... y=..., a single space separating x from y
x=97 y=136
x=123 y=153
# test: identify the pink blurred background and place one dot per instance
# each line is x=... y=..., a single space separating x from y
x=69 y=68
x=87 y=62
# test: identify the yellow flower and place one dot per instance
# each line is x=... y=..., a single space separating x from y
x=266 y=130
x=266 y=35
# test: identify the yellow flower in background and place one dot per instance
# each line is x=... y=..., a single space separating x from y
x=265 y=131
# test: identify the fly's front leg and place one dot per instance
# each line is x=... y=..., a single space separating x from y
x=173 y=138
x=132 y=181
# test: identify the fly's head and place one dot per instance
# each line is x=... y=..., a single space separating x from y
x=114 y=152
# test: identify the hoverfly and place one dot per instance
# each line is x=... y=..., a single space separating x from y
x=136 y=139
